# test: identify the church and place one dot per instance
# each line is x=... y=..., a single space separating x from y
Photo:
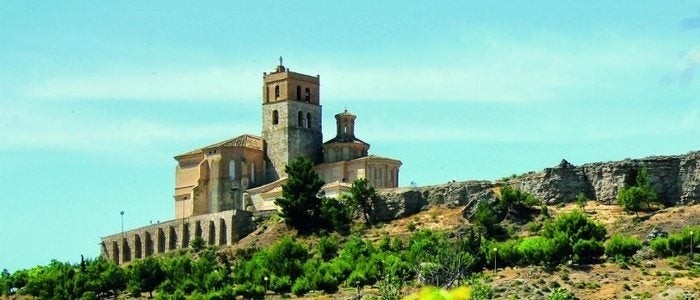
x=246 y=172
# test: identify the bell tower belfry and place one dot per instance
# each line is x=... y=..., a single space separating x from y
x=291 y=120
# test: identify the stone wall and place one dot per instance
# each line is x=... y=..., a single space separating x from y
x=223 y=228
x=676 y=179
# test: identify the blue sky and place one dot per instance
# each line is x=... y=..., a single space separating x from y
x=97 y=97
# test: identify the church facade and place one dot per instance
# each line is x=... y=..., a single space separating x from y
x=246 y=172
x=220 y=187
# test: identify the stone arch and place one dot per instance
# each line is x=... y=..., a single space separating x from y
x=198 y=230
x=277 y=91
x=300 y=119
x=275 y=117
x=222 y=231
x=172 y=238
x=149 y=244
x=185 y=235
x=126 y=250
x=307 y=95
x=308 y=120
x=160 y=236
x=138 y=249
x=115 y=252
x=298 y=93
x=204 y=170
x=212 y=233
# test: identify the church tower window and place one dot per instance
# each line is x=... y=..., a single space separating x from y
x=307 y=95
x=232 y=170
x=277 y=92
x=275 y=117
x=298 y=92
x=308 y=120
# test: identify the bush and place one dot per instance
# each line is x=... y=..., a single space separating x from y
x=327 y=248
x=301 y=286
x=660 y=247
x=586 y=251
x=411 y=226
x=561 y=294
x=334 y=215
x=631 y=198
x=198 y=244
x=485 y=218
x=621 y=246
x=280 y=284
x=250 y=291
x=676 y=243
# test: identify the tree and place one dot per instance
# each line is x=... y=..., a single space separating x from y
x=145 y=275
x=631 y=198
x=300 y=203
x=485 y=218
x=363 y=197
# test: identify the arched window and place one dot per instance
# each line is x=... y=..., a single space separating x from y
x=308 y=120
x=300 y=118
x=299 y=92
x=277 y=91
x=275 y=117
x=232 y=170
x=307 y=95
x=252 y=173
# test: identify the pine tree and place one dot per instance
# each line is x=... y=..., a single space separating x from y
x=300 y=202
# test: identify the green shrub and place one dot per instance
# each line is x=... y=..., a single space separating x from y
x=561 y=294
x=619 y=245
x=250 y=291
x=586 y=251
x=327 y=248
x=660 y=246
x=280 y=284
x=411 y=226
x=301 y=286
x=198 y=244
x=485 y=218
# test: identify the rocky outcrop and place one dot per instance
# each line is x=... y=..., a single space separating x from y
x=401 y=202
x=676 y=179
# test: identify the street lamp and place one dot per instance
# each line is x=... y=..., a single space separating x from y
x=122 y=214
x=691 y=245
x=495 y=258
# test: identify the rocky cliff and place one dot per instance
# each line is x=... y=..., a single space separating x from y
x=676 y=179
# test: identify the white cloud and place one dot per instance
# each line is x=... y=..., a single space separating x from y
x=499 y=69
x=223 y=84
x=31 y=128
x=548 y=69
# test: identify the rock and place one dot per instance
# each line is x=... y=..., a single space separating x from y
x=656 y=232
x=676 y=180
x=649 y=264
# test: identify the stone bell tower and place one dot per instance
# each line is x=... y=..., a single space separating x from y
x=291 y=119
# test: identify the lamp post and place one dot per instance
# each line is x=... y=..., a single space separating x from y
x=495 y=259
x=691 y=245
x=122 y=214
